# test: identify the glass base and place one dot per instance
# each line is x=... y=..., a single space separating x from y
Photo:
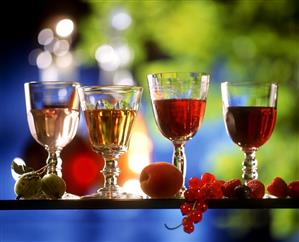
x=180 y=193
x=69 y=196
x=115 y=193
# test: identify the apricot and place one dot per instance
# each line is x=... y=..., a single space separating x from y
x=161 y=180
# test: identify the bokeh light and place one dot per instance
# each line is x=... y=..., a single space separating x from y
x=64 y=61
x=61 y=47
x=44 y=60
x=65 y=27
x=49 y=74
x=45 y=36
x=133 y=186
x=139 y=157
x=84 y=170
x=123 y=77
x=124 y=53
x=33 y=56
x=107 y=57
x=121 y=20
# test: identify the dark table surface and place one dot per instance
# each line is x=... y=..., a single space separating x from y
x=145 y=204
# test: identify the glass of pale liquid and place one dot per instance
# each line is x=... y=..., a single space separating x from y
x=110 y=112
x=53 y=117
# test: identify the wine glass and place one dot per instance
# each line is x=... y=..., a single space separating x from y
x=249 y=111
x=53 y=117
x=179 y=101
x=110 y=112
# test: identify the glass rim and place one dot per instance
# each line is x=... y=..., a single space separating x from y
x=48 y=83
x=170 y=73
x=248 y=83
x=110 y=87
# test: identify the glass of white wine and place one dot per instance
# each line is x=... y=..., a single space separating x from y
x=53 y=117
x=110 y=112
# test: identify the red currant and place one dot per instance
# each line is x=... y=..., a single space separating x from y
x=200 y=189
x=189 y=195
x=186 y=220
x=186 y=208
x=204 y=207
x=213 y=190
x=195 y=216
x=188 y=225
x=195 y=183
x=200 y=195
x=221 y=182
x=207 y=178
x=217 y=190
x=201 y=206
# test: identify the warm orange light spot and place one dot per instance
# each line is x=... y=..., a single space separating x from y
x=139 y=154
x=141 y=146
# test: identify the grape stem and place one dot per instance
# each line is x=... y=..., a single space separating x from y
x=194 y=204
x=172 y=228
x=42 y=170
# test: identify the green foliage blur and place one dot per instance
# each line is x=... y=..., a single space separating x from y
x=234 y=40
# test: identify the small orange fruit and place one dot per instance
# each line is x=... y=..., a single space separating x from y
x=161 y=180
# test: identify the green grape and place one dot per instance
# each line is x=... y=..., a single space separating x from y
x=53 y=185
x=28 y=185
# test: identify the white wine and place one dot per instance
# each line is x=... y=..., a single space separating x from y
x=110 y=129
x=53 y=127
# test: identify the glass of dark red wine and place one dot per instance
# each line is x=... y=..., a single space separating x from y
x=179 y=102
x=249 y=111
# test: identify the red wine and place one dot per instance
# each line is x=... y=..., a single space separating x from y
x=250 y=127
x=179 y=119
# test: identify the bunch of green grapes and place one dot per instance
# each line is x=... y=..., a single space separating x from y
x=37 y=184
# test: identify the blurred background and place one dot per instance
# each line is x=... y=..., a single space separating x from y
x=119 y=42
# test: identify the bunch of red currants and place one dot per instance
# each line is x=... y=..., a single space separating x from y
x=208 y=187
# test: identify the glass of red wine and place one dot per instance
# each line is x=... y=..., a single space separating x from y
x=249 y=111
x=179 y=102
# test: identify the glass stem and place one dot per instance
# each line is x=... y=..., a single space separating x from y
x=54 y=163
x=179 y=159
x=249 y=165
x=111 y=172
